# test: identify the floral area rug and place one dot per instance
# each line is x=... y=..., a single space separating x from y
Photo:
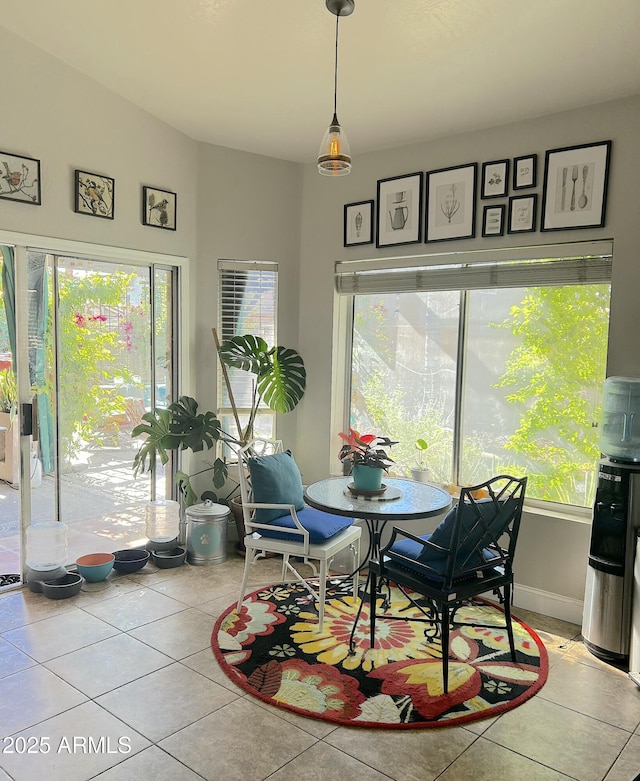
x=273 y=650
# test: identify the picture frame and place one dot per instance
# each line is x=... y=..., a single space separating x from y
x=399 y=210
x=524 y=171
x=493 y=220
x=451 y=200
x=522 y=213
x=575 y=186
x=358 y=223
x=94 y=195
x=495 y=179
x=20 y=179
x=159 y=208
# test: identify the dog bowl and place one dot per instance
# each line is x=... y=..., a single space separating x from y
x=155 y=545
x=166 y=559
x=128 y=561
x=95 y=566
x=61 y=588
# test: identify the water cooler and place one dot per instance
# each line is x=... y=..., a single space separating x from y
x=606 y=621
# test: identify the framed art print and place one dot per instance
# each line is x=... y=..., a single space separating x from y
x=20 y=178
x=94 y=195
x=575 y=186
x=522 y=213
x=495 y=176
x=493 y=221
x=451 y=199
x=524 y=171
x=159 y=208
x=399 y=210
x=358 y=223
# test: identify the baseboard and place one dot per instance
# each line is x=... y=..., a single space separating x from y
x=548 y=604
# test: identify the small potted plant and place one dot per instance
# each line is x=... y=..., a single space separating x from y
x=368 y=458
x=420 y=472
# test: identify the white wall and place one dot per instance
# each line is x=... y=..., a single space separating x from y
x=552 y=552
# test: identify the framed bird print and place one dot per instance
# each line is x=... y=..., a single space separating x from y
x=95 y=195
x=159 y=208
x=20 y=178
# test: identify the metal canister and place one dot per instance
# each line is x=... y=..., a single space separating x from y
x=206 y=533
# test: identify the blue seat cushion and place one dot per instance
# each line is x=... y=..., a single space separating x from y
x=435 y=560
x=275 y=479
x=320 y=525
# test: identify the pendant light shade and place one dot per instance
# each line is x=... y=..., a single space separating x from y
x=334 y=157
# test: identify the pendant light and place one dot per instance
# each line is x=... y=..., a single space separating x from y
x=334 y=158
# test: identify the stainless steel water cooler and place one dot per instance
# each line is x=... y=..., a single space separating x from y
x=606 y=621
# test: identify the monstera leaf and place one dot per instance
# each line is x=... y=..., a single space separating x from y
x=159 y=439
x=280 y=374
x=196 y=431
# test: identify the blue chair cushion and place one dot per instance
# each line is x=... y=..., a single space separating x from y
x=434 y=559
x=320 y=525
x=275 y=479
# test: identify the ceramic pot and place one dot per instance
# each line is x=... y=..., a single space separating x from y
x=420 y=475
x=367 y=478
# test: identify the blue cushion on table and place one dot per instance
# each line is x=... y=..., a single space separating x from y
x=275 y=479
x=320 y=525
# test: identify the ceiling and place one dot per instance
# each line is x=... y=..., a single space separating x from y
x=258 y=76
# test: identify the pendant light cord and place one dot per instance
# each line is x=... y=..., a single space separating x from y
x=335 y=70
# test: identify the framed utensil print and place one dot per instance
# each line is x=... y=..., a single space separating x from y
x=451 y=200
x=399 y=210
x=524 y=171
x=493 y=221
x=495 y=176
x=20 y=178
x=94 y=195
x=575 y=186
x=522 y=213
x=358 y=223
x=159 y=208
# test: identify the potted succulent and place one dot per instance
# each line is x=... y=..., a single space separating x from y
x=280 y=381
x=421 y=472
x=368 y=458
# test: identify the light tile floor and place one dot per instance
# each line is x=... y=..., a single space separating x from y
x=128 y=663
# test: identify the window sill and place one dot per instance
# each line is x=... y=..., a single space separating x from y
x=575 y=514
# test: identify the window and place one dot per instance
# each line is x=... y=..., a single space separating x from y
x=247 y=304
x=497 y=362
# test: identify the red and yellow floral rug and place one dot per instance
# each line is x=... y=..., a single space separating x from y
x=273 y=650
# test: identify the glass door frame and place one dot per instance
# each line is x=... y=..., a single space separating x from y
x=22 y=244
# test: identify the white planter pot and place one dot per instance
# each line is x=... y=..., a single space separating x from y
x=420 y=475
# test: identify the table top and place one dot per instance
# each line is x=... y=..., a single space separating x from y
x=417 y=500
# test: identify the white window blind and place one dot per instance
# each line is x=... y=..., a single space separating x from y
x=247 y=304
x=556 y=265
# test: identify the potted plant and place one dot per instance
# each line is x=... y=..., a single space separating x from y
x=280 y=381
x=368 y=458
x=9 y=443
x=420 y=472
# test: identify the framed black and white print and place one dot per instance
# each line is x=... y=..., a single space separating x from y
x=495 y=177
x=493 y=221
x=451 y=201
x=159 y=208
x=94 y=195
x=524 y=171
x=358 y=223
x=20 y=178
x=522 y=213
x=575 y=186
x=399 y=210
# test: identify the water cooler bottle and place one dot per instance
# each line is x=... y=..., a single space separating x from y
x=606 y=621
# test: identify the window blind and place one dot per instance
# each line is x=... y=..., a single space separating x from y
x=556 y=265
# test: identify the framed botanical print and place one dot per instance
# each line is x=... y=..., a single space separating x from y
x=159 y=208
x=575 y=186
x=451 y=201
x=524 y=171
x=399 y=210
x=20 y=178
x=522 y=213
x=94 y=195
x=358 y=223
x=495 y=176
x=493 y=221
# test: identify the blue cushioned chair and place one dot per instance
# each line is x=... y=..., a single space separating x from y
x=277 y=520
x=470 y=553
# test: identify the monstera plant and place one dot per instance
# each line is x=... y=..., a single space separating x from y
x=280 y=381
